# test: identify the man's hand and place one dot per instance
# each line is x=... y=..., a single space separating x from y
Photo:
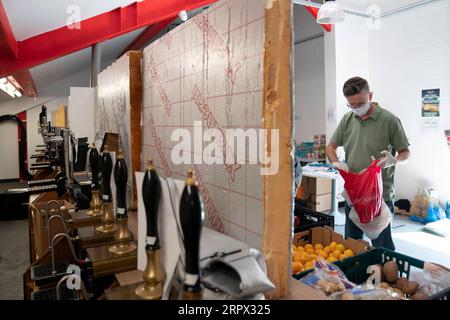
x=388 y=161
x=340 y=165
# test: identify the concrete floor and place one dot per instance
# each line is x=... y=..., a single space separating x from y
x=14 y=258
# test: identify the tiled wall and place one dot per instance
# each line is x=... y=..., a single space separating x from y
x=210 y=69
x=112 y=113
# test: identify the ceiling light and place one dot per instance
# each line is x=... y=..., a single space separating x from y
x=8 y=85
x=330 y=13
x=183 y=15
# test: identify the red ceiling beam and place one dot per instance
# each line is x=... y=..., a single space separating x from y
x=25 y=80
x=8 y=44
x=9 y=49
x=59 y=42
x=148 y=34
x=313 y=11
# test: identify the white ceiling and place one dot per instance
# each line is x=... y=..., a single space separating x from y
x=32 y=17
x=55 y=70
x=384 y=5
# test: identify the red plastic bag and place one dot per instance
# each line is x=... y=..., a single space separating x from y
x=365 y=191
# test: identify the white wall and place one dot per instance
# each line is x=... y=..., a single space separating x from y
x=81 y=112
x=309 y=77
x=409 y=53
x=10 y=151
x=52 y=96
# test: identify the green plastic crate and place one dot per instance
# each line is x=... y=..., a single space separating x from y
x=355 y=268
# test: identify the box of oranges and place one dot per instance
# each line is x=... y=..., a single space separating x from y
x=324 y=242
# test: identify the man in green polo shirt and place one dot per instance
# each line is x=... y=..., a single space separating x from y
x=365 y=132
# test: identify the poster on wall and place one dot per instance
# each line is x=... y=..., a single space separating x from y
x=430 y=110
x=447 y=136
x=430 y=102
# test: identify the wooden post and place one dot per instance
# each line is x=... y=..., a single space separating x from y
x=136 y=91
x=278 y=114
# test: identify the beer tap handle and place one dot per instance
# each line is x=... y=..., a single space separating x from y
x=121 y=179
x=106 y=175
x=151 y=194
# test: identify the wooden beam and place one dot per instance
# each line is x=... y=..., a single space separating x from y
x=147 y=35
x=62 y=41
x=278 y=115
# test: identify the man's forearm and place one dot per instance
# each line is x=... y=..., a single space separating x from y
x=403 y=156
x=331 y=153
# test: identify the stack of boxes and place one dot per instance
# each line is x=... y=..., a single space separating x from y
x=316 y=192
x=319 y=146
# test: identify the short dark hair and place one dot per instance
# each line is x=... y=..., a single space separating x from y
x=354 y=86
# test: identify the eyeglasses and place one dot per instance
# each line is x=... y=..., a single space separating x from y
x=359 y=105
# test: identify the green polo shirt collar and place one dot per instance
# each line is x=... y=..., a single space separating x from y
x=374 y=115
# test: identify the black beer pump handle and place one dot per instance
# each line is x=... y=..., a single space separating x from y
x=94 y=163
x=106 y=175
x=121 y=179
x=191 y=218
x=151 y=195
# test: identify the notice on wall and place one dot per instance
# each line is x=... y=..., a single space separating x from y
x=447 y=137
x=430 y=102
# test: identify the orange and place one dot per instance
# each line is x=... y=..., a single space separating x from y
x=303 y=259
x=327 y=249
x=310 y=251
x=318 y=246
x=308 y=246
x=296 y=267
x=340 y=247
x=297 y=258
x=300 y=249
x=322 y=254
x=333 y=245
x=349 y=252
x=332 y=259
x=336 y=253
x=343 y=256
x=312 y=256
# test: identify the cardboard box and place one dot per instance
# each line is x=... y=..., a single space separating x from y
x=320 y=203
x=326 y=235
x=315 y=186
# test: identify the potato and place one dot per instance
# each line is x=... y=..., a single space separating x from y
x=347 y=296
x=398 y=291
x=401 y=283
x=385 y=285
x=325 y=286
x=411 y=287
x=334 y=287
x=419 y=296
x=390 y=270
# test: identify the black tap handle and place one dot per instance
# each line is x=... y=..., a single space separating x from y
x=151 y=195
x=106 y=163
x=121 y=179
x=94 y=163
x=191 y=218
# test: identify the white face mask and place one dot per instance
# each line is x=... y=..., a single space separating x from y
x=361 y=111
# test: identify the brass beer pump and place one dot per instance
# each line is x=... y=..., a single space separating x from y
x=154 y=275
x=123 y=235
x=94 y=162
x=108 y=225
x=191 y=218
